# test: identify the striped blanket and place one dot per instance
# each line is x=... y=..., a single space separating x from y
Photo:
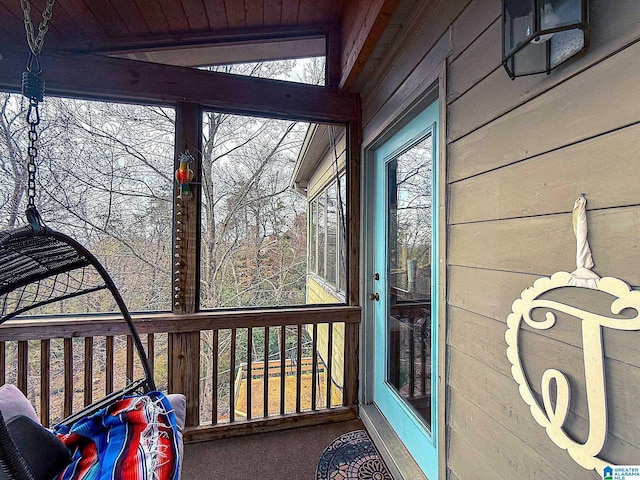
x=133 y=439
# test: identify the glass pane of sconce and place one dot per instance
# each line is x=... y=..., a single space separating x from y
x=560 y=13
x=531 y=59
x=518 y=25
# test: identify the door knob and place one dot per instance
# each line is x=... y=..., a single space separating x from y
x=374 y=296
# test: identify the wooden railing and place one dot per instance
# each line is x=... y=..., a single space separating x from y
x=65 y=363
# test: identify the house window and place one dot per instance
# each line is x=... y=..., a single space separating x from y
x=327 y=241
x=322 y=234
x=332 y=235
x=313 y=236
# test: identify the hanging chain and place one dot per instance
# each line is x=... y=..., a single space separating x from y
x=33 y=119
x=36 y=43
x=33 y=89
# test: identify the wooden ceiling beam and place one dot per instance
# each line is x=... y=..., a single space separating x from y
x=189 y=39
x=105 y=78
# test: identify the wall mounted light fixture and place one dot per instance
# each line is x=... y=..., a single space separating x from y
x=539 y=35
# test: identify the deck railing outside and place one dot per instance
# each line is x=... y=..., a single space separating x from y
x=260 y=369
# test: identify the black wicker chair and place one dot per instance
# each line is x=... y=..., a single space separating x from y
x=39 y=266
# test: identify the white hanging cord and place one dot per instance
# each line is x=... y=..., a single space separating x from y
x=582 y=276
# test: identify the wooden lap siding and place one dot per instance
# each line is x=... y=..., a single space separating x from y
x=518 y=155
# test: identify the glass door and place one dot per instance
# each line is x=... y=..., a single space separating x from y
x=405 y=280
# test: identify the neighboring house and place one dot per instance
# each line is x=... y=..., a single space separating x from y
x=320 y=175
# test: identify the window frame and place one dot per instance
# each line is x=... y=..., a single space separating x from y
x=341 y=241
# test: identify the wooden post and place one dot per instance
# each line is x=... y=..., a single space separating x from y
x=352 y=330
x=184 y=371
x=353 y=212
x=351 y=364
x=334 y=60
x=184 y=348
x=186 y=210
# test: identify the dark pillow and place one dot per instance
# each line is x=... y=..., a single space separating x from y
x=42 y=450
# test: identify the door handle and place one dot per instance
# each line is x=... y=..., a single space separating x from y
x=374 y=296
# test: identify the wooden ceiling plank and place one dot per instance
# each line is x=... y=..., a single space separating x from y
x=254 y=12
x=53 y=35
x=11 y=21
x=290 y=12
x=339 y=9
x=93 y=76
x=175 y=15
x=85 y=19
x=153 y=15
x=272 y=12
x=65 y=28
x=131 y=16
x=107 y=16
x=216 y=14
x=324 y=13
x=306 y=11
x=362 y=28
x=196 y=15
x=236 y=14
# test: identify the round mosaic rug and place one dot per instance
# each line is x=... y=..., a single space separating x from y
x=352 y=456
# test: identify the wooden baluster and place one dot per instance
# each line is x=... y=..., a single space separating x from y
x=3 y=363
x=232 y=379
x=130 y=376
x=350 y=369
x=423 y=358
x=45 y=382
x=88 y=370
x=329 y=363
x=23 y=365
x=412 y=355
x=68 y=377
x=314 y=366
x=299 y=369
x=249 y=370
x=265 y=373
x=214 y=380
x=151 y=352
x=283 y=373
x=109 y=365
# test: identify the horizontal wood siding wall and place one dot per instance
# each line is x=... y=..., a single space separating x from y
x=326 y=170
x=519 y=153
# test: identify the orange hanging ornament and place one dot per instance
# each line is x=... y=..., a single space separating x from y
x=184 y=175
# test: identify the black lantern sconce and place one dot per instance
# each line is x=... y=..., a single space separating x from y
x=539 y=35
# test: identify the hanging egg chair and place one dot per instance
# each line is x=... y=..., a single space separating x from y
x=38 y=267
